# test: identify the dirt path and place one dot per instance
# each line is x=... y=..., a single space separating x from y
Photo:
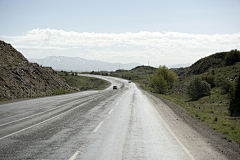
x=203 y=142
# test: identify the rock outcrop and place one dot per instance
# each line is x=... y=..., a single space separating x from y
x=17 y=73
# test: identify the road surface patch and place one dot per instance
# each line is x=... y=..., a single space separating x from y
x=42 y=121
x=33 y=115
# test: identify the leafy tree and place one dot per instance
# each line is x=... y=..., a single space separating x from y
x=163 y=78
x=198 y=88
x=235 y=98
x=160 y=83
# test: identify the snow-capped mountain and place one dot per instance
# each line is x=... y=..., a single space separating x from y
x=80 y=64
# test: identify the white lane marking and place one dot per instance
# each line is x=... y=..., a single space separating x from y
x=116 y=103
x=110 y=111
x=41 y=122
x=169 y=130
x=75 y=155
x=95 y=130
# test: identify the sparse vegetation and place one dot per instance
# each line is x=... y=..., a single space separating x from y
x=81 y=82
x=58 y=92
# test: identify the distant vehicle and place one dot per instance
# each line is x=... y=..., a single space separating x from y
x=114 y=87
x=129 y=81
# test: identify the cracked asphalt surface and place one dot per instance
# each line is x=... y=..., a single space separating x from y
x=108 y=124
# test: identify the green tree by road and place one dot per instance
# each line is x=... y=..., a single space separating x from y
x=163 y=78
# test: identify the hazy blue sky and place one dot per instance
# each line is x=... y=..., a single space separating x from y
x=159 y=31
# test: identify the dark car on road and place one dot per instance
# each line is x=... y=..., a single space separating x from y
x=114 y=87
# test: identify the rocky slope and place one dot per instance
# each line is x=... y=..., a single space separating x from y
x=17 y=73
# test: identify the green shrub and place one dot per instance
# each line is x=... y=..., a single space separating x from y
x=226 y=87
x=211 y=111
x=198 y=88
x=216 y=119
x=232 y=127
x=209 y=79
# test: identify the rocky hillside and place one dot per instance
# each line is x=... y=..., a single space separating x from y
x=17 y=73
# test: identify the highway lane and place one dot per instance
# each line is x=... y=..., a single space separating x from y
x=108 y=124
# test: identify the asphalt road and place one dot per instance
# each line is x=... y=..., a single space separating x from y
x=94 y=125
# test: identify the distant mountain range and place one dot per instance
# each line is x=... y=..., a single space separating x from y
x=81 y=64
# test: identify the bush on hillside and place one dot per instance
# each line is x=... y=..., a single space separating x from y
x=198 y=88
x=226 y=86
x=209 y=79
x=234 y=107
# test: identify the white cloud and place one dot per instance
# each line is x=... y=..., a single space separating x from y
x=127 y=45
